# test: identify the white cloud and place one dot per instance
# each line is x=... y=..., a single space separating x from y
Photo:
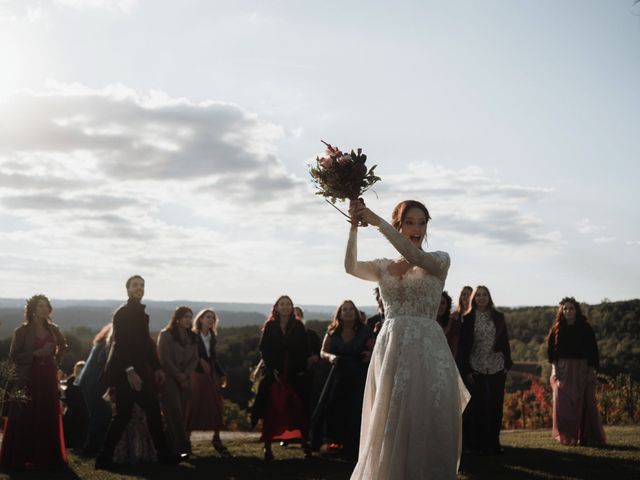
x=604 y=240
x=472 y=203
x=121 y=6
x=586 y=227
x=104 y=181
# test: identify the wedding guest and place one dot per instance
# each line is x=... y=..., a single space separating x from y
x=136 y=444
x=457 y=314
x=279 y=401
x=178 y=355
x=33 y=436
x=313 y=384
x=133 y=372
x=313 y=339
x=347 y=345
x=93 y=391
x=375 y=321
x=573 y=353
x=484 y=357
x=206 y=410
x=450 y=326
x=75 y=417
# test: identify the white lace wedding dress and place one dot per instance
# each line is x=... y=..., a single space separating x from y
x=414 y=398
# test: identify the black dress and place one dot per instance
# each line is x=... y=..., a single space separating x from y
x=344 y=401
x=281 y=403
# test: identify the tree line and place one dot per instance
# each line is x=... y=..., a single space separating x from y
x=616 y=325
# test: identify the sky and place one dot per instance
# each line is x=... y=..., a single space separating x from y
x=173 y=140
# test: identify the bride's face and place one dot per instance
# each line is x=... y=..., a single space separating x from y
x=414 y=226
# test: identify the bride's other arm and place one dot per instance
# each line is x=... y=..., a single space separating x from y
x=435 y=263
x=364 y=270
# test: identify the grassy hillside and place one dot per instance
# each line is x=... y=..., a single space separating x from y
x=529 y=455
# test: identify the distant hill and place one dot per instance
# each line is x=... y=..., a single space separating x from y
x=93 y=314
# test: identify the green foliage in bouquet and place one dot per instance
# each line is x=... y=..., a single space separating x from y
x=342 y=176
x=9 y=392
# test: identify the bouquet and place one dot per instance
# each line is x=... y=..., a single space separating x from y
x=342 y=176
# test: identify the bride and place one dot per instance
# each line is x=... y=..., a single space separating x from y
x=414 y=397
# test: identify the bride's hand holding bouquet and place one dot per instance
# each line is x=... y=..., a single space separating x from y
x=360 y=214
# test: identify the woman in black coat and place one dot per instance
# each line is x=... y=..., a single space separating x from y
x=484 y=356
x=280 y=400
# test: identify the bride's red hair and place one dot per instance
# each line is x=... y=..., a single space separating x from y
x=400 y=212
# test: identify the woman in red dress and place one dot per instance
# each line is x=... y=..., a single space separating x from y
x=33 y=435
x=280 y=400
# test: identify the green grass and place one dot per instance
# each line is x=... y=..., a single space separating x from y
x=529 y=454
x=533 y=454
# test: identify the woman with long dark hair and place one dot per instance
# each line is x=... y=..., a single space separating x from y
x=33 y=436
x=178 y=357
x=206 y=411
x=347 y=345
x=484 y=358
x=573 y=352
x=280 y=399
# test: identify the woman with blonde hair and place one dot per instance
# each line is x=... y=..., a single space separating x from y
x=206 y=411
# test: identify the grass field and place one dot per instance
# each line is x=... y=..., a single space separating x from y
x=529 y=454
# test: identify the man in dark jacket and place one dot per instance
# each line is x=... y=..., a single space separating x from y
x=133 y=371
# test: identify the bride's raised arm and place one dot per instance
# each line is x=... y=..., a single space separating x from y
x=364 y=270
x=436 y=263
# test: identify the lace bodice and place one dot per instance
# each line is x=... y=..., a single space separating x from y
x=417 y=292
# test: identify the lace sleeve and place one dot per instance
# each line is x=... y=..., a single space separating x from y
x=364 y=270
x=436 y=263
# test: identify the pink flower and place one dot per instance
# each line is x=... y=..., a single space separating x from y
x=344 y=159
x=325 y=162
